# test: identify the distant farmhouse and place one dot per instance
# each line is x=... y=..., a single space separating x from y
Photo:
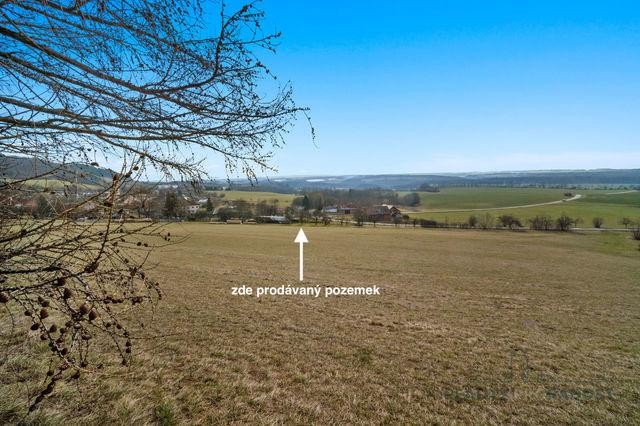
x=383 y=213
x=379 y=213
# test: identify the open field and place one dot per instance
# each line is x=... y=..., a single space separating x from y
x=471 y=327
x=284 y=200
x=593 y=203
x=59 y=185
x=477 y=198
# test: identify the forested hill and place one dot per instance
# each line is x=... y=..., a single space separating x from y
x=12 y=168
x=553 y=178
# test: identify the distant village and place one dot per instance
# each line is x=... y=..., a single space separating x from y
x=173 y=202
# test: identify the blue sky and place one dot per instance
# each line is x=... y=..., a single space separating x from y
x=448 y=86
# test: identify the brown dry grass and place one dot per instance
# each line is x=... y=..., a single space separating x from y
x=472 y=327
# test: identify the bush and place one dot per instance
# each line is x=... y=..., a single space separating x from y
x=626 y=222
x=597 y=222
x=486 y=221
x=472 y=221
x=225 y=214
x=565 y=222
x=428 y=223
x=541 y=223
x=509 y=221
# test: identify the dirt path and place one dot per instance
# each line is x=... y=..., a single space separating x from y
x=621 y=192
x=575 y=197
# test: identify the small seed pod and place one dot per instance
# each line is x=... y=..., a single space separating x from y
x=53 y=328
x=64 y=351
x=128 y=343
x=28 y=313
x=93 y=315
x=50 y=373
x=128 y=350
x=63 y=330
x=68 y=324
x=43 y=337
x=44 y=313
x=86 y=336
x=34 y=326
x=45 y=303
x=61 y=281
x=4 y=297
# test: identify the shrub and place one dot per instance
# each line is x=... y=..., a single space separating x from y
x=509 y=221
x=472 y=221
x=541 y=223
x=165 y=415
x=597 y=222
x=565 y=222
x=626 y=222
x=428 y=223
x=486 y=221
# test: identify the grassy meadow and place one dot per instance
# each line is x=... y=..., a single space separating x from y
x=471 y=327
x=489 y=197
x=283 y=200
x=457 y=204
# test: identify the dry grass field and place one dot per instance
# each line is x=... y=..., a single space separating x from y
x=471 y=327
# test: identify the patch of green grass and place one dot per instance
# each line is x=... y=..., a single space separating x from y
x=165 y=415
x=615 y=243
x=364 y=356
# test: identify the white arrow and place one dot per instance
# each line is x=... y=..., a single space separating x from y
x=301 y=238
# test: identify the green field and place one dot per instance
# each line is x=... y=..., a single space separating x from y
x=594 y=203
x=476 y=198
x=471 y=327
